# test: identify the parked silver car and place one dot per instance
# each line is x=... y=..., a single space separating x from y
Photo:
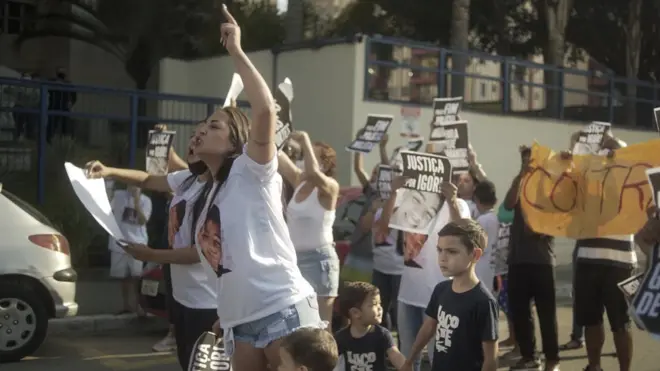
x=37 y=281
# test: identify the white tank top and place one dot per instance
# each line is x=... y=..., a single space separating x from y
x=310 y=224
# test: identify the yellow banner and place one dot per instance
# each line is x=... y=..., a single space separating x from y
x=589 y=196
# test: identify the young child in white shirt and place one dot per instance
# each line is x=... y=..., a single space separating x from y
x=132 y=210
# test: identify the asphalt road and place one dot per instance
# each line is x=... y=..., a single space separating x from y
x=120 y=352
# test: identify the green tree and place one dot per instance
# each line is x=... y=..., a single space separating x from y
x=142 y=33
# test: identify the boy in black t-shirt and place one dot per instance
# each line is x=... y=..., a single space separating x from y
x=364 y=345
x=462 y=313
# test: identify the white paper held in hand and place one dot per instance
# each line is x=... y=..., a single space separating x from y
x=93 y=195
x=287 y=88
x=235 y=89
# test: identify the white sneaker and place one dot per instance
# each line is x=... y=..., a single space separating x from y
x=168 y=344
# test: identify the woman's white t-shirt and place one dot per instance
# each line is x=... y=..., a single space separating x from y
x=484 y=269
x=386 y=259
x=191 y=286
x=418 y=281
x=244 y=244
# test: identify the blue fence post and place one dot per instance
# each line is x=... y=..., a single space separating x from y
x=561 y=74
x=134 y=126
x=41 y=151
x=442 y=80
x=210 y=108
x=506 y=86
x=367 y=77
x=610 y=98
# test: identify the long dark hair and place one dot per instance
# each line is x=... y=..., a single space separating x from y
x=239 y=128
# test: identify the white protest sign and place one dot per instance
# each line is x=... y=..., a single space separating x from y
x=235 y=89
x=93 y=195
x=283 y=97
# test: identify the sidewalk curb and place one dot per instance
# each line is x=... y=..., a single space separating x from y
x=105 y=322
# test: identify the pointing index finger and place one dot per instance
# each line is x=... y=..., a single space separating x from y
x=228 y=17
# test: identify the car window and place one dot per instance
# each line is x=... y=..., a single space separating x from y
x=27 y=208
x=348 y=215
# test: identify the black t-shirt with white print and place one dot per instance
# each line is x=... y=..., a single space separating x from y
x=368 y=353
x=465 y=320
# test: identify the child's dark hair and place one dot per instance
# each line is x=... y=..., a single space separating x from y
x=485 y=194
x=313 y=348
x=353 y=294
x=468 y=231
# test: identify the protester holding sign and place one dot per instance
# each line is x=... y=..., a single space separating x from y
x=600 y=264
x=531 y=277
x=421 y=272
x=358 y=264
x=310 y=215
x=485 y=198
x=194 y=304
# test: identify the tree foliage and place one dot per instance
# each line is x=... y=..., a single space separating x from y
x=522 y=28
x=142 y=33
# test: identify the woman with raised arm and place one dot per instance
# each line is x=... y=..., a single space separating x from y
x=241 y=234
x=194 y=298
x=310 y=216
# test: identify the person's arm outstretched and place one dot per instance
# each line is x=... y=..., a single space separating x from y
x=260 y=146
x=139 y=178
x=313 y=172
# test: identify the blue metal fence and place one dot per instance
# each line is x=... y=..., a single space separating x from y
x=398 y=71
x=407 y=72
x=96 y=115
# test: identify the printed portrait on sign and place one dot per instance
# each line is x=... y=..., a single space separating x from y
x=157 y=165
x=210 y=241
x=415 y=210
x=177 y=213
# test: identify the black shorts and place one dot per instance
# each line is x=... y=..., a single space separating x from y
x=596 y=291
x=189 y=324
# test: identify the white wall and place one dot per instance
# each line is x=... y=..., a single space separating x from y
x=322 y=82
x=328 y=103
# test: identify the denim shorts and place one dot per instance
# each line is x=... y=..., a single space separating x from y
x=320 y=267
x=262 y=332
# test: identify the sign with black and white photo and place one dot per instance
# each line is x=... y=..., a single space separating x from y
x=590 y=139
x=446 y=110
x=647 y=300
x=209 y=354
x=283 y=97
x=451 y=140
x=384 y=185
x=158 y=151
x=372 y=133
x=420 y=200
x=656 y=117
